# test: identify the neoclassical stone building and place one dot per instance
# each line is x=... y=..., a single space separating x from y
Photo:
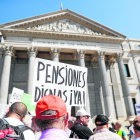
x=65 y=36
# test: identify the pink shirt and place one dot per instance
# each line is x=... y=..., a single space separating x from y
x=54 y=134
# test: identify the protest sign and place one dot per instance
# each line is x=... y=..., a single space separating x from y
x=137 y=107
x=66 y=81
x=16 y=96
x=26 y=99
x=3 y=110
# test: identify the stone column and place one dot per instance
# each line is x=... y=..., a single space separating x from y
x=5 y=74
x=118 y=107
x=136 y=67
x=104 y=82
x=81 y=62
x=55 y=54
x=32 y=52
x=125 y=87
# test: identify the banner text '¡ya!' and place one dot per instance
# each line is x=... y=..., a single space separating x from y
x=72 y=77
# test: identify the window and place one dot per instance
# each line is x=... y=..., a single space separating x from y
x=0 y=38
x=139 y=47
x=134 y=102
x=127 y=70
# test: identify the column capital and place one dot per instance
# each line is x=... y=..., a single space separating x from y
x=119 y=56
x=100 y=54
x=32 y=51
x=81 y=53
x=8 y=50
x=55 y=52
x=111 y=60
x=94 y=60
x=94 y=63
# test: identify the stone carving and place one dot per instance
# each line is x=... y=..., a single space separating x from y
x=8 y=50
x=101 y=54
x=119 y=56
x=65 y=26
x=94 y=60
x=66 y=43
x=32 y=51
x=55 y=52
x=111 y=61
x=81 y=53
x=94 y=63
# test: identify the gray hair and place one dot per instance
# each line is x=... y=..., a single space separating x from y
x=51 y=123
x=119 y=123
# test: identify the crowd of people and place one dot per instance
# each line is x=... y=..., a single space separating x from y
x=52 y=122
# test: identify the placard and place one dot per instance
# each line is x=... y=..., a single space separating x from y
x=66 y=81
x=137 y=107
x=16 y=96
x=26 y=99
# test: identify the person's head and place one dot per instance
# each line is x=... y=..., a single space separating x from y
x=131 y=121
x=101 y=121
x=29 y=121
x=17 y=110
x=71 y=122
x=82 y=117
x=136 y=126
x=113 y=125
x=51 y=112
x=118 y=125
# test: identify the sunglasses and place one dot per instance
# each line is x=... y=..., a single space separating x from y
x=87 y=117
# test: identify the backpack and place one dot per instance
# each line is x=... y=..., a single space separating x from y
x=18 y=130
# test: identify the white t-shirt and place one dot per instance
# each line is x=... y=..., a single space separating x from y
x=68 y=131
x=28 y=134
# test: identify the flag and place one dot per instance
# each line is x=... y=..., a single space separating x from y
x=61 y=5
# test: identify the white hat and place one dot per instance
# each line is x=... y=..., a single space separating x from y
x=82 y=113
x=131 y=119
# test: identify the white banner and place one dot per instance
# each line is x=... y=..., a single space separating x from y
x=66 y=81
x=137 y=107
x=16 y=96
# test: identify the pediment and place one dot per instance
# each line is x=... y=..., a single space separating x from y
x=65 y=26
x=64 y=21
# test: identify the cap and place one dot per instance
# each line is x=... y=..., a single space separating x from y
x=50 y=102
x=101 y=118
x=131 y=119
x=82 y=113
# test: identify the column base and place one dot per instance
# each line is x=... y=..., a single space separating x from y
x=130 y=117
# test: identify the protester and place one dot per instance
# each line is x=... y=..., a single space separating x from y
x=71 y=122
x=102 y=132
x=113 y=125
x=131 y=134
x=136 y=127
x=15 y=115
x=80 y=128
x=30 y=122
x=120 y=131
x=52 y=118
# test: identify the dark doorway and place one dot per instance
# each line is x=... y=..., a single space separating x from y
x=134 y=102
x=73 y=111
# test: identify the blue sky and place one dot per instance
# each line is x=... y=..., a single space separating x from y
x=120 y=15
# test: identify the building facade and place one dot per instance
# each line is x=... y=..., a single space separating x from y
x=113 y=61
